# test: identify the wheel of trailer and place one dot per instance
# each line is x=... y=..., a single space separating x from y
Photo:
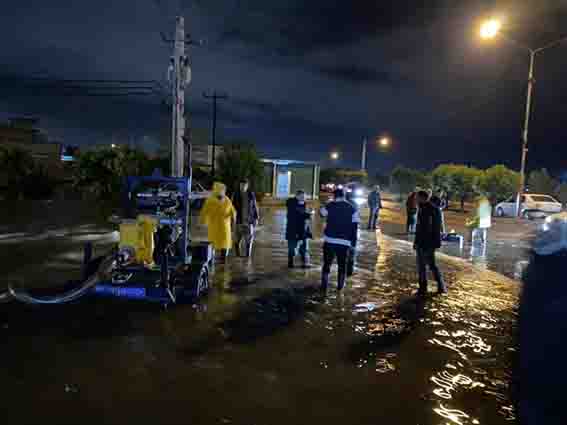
x=500 y=212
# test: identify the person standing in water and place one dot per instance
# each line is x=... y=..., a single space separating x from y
x=217 y=214
x=246 y=219
x=298 y=231
x=340 y=236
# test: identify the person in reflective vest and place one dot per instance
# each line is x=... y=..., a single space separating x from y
x=340 y=236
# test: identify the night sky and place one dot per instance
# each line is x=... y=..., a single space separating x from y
x=304 y=77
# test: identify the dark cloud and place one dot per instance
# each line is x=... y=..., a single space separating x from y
x=297 y=27
x=358 y=74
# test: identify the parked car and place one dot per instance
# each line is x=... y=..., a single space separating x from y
x=145 y=195
x=531 y=205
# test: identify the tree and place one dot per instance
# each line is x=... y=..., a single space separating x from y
x=100 y=172
x=499 y=183
x=38 y=184
x=240 y=161
x=16 y=164
x=404 y=179
x=540 y=181
x=459 y=180
x=343 y=176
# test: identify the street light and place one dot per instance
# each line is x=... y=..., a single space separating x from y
x=491 y=29
x=384 y=142
x=113 y=146
x=334 y=156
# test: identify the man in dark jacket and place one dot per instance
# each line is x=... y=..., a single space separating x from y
x=297 y=231
x=340 y=236
x=427 y=240
x=374 y=205
x=247 y=216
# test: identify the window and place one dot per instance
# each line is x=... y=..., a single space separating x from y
x=543 y=198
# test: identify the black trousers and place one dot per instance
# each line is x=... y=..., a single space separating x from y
x=426 y=258
x=373 y=218
x=330 y=251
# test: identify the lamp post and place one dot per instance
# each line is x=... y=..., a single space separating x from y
x=383 y=142
x=489 y=30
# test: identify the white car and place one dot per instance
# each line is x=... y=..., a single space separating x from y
x=531 y=205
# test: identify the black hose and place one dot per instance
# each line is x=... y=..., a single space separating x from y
x=24 y=296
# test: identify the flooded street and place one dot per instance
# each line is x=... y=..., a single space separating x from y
x=264 y=347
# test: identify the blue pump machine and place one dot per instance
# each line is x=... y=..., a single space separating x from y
x=180 y=270
x=160 y=265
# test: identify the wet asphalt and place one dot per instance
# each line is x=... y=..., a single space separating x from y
x=265 y=346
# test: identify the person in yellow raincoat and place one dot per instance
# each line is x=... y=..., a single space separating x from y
x=217 y=214
x=480 y=222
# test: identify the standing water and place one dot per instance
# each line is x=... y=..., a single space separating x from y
x=265 y=346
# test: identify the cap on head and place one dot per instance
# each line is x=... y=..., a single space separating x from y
x=422 y=194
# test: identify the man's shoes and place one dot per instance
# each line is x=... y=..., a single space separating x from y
x=441 y=289
x=290 y=264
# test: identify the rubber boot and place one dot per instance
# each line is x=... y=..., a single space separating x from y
x=224 y=254
x=422 y=291
x=290 y=262
x=237 y=248
x=341 y=282
x=324 y=281
x=248 y=252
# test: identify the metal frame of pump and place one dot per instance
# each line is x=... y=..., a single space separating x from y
x=182 y=270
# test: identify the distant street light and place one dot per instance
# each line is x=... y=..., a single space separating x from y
x=489 y=30
x=113 y=146
x=384 y=142
x=335 y=156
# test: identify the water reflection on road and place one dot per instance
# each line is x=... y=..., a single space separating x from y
x=266 y=347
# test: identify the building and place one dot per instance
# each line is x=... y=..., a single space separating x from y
x=284 y=177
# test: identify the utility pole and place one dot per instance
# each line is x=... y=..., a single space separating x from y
x=214 y=96
x=363 y=161
x=179 y=76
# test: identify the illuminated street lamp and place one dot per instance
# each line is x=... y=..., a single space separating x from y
x=113 y=146
x=384 y=142
x=335 y=156
x=490 y=29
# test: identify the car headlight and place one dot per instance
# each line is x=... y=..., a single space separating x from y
x=359 y=192
x=359 y=201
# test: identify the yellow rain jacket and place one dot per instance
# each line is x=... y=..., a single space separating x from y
x=217 y=215
x=482 y=215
